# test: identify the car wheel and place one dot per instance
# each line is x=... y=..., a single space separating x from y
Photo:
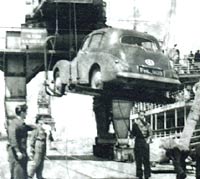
x=59 y=87
x=96 y=79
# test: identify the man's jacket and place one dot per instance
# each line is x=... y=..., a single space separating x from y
x=38 y=141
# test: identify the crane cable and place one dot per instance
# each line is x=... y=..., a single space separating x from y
x=76 y=39
x=70 y=43
x=52 y=40
x=75 y=29
x=53 y=43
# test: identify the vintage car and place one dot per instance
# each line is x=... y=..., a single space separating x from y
x=117 y=59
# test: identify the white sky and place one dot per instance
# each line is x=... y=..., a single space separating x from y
x=185 y=29
x=12 y=13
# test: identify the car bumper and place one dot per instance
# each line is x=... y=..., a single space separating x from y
x=144 y=77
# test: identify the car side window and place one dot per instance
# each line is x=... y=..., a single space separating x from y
x=96 y=41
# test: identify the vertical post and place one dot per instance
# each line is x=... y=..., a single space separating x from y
x=15 y=82
x=176 y=120
x=165 y=123
x=185 y=115
x=102 y=107
x=152 y=122
x=134 y=15
x=156 y=124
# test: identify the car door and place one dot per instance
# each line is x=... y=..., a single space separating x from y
x=74 y=65
x=88 y=55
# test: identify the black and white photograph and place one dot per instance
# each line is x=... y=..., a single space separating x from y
x=99 y=89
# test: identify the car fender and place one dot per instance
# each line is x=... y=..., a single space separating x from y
x=104 y=61
x=64 y=68
x=110 y=69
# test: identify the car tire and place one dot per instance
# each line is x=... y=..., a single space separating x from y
x=59 y=87
x=96 y=79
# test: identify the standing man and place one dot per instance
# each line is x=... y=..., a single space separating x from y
x=197 y=56
x=38 y=149
x=142 y=132
x=17 y=138
x=191 y=57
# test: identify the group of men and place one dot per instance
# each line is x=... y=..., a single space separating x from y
x=17 y=146
x=18 y=157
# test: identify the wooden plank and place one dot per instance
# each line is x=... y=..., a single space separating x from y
x=165 y=168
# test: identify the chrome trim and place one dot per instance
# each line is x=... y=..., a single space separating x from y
x=148 y=77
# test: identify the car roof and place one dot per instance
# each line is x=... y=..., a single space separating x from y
x=125 y=32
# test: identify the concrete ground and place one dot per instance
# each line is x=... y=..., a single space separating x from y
x=68 y=162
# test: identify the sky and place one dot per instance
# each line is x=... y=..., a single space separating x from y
x=12 y=13
x=184 y=28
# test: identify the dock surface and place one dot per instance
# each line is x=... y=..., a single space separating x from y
x=63 y=164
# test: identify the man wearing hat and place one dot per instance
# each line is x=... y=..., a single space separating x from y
x=17 y=138
x=142 y=132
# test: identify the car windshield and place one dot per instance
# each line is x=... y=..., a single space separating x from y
x=140 y=42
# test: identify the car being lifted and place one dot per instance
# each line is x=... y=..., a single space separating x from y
x=114 y=59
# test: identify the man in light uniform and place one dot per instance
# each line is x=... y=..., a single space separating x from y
x=38 y=149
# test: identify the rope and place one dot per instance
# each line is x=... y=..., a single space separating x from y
x=75 y=29
x=70 y=42
x=53 y=43
x=56 y=30
x=76 y=41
